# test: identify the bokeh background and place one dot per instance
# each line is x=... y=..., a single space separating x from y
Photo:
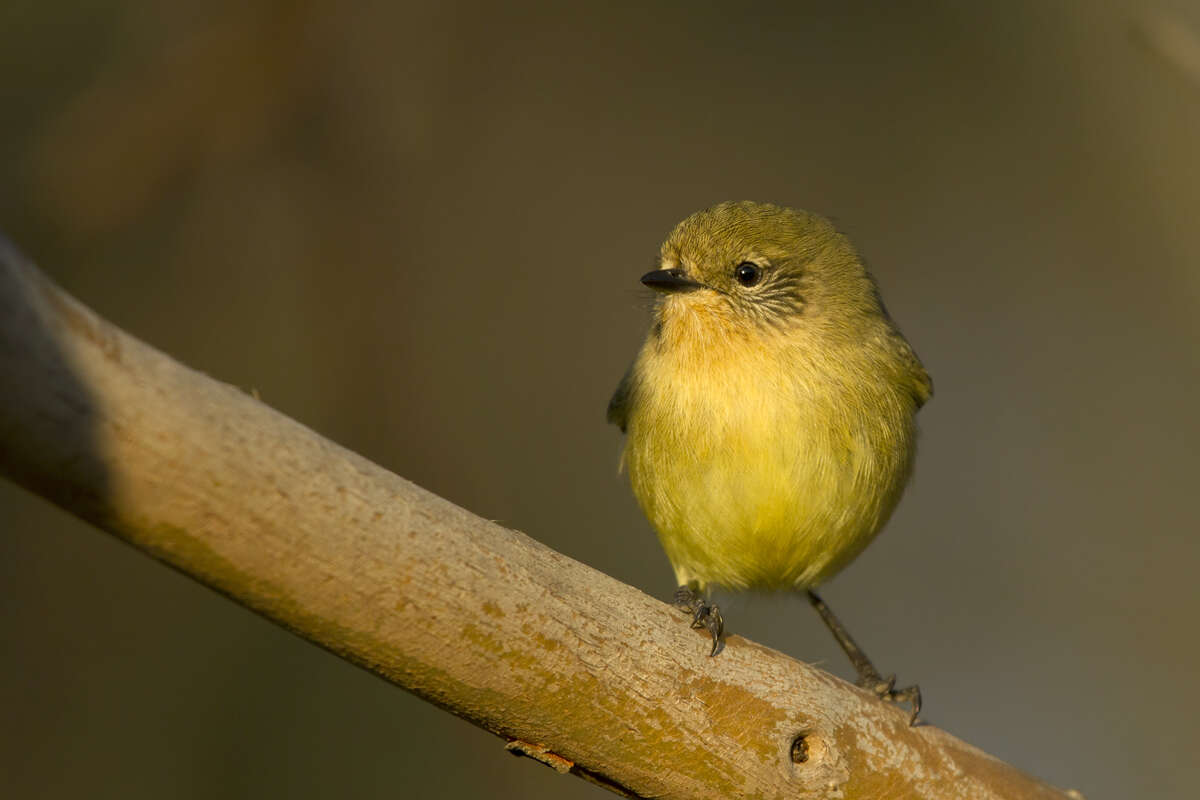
x=418 y=229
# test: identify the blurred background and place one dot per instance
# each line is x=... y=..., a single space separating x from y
x=418 y=228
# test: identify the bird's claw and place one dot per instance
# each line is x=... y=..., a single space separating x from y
x=868 y=677
x=705 y=615
x=885 y=689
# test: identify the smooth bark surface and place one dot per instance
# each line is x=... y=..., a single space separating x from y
x=574 y=668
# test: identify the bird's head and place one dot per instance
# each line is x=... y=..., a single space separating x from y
x=756 y=265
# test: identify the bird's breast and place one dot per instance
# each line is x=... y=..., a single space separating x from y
x=766 y=463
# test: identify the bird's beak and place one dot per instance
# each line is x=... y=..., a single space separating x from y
x=670 y=280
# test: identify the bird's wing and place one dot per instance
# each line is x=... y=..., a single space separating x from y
x=922 y=384
x=618 y=406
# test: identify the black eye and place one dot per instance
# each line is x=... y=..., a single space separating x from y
x=747 y=273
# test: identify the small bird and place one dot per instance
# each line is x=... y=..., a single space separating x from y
x=770 y=412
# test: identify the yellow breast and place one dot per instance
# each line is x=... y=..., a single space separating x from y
x=764 y=458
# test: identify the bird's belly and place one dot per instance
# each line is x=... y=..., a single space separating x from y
x=766 y=497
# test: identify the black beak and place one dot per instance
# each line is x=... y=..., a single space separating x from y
x=670 y=280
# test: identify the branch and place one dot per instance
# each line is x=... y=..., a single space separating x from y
x=572 y=667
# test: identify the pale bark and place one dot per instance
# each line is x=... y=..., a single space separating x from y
x=582 y=672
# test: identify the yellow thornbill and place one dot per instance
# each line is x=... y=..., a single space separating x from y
x=770 y=411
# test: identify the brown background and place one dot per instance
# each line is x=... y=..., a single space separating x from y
x=418 y=229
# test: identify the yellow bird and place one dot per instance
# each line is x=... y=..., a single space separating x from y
x=770 y=412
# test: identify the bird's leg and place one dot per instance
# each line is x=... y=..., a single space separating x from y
x=868 y=677
x=704 y=614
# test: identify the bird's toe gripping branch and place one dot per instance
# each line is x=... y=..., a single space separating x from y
x=705 y=615
x=885 y=689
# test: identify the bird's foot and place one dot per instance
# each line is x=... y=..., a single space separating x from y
x=705 y=615
x=885 y=689
x=868 y=677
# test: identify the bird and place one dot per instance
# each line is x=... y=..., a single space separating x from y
x=769 y=416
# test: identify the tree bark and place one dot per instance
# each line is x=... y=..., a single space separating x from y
x=571 y=667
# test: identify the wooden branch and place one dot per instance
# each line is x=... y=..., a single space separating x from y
x=573 y=668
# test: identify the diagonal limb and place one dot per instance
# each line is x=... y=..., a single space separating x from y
x=868 y=677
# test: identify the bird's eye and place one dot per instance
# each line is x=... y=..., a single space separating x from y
x=747 y=273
